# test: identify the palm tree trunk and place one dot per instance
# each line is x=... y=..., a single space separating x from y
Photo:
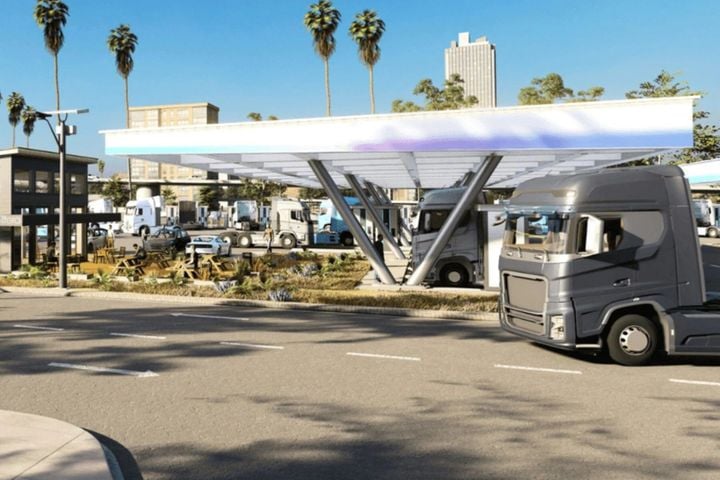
x=28 y=141
x=327 y=87
x=127 y=125
x=13 y=137
x=57 y=86
x=372 y=90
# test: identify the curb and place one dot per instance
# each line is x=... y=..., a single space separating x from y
x=318 y=307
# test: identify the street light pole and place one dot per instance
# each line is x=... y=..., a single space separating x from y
x=59 y=134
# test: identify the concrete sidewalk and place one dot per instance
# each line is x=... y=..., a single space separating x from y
x=38 y=448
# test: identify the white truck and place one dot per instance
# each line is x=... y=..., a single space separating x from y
x=104 y=205
x=707 y=218
x=471 y=255
x=289 y=219
x=143 y=214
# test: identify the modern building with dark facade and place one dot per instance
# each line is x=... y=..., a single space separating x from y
x=30 y=204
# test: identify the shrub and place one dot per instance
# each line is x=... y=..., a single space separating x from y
x=103 y=280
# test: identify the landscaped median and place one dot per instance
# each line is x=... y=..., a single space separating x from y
x=296 y=280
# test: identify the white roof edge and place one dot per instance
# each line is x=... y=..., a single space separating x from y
x=424 y=113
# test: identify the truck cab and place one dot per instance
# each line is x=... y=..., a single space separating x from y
x=607 y=260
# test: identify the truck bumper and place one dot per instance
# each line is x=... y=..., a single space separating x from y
x=540 y=329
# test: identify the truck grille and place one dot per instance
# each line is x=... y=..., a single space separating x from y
x=525 y=302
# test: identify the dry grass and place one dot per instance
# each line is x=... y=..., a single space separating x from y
x=334 y=283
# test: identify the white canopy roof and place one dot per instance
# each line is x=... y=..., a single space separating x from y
x=703 y=175
x=423 y=149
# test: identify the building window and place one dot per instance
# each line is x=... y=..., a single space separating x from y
x=42 y=182
x=56 y=182
x=21 y=181
x=78 y=184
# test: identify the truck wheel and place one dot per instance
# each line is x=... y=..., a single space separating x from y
x=633 y=340
x=454 y=275
x=712 y=232
x=144 y=230
x=227 y=239
x=346 y=239
x=246 y=241
x=288 y=241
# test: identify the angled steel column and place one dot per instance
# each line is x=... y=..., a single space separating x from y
x=478 y=181
x=373 y=193
x=344 y=210
x=389 y=240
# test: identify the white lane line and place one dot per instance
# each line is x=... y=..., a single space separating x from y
x=253 y=345
x=35 y=327
x=132 y=335
x=695 y=382
x=217 y=317
x=390 y=357
x=146 y=373
x=535 y=369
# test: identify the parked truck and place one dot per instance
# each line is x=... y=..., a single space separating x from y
x=470 y=256
x=290 y=220
x=104 y=205
x=619 y=267
x=707 y=217
x=143 y=214
x=245 y=215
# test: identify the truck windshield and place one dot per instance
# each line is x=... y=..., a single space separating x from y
x=537 y=231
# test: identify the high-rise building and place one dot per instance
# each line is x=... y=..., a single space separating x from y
x=165 y=116
x=475 y=63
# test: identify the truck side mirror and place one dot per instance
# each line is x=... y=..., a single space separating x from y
x=593 y=234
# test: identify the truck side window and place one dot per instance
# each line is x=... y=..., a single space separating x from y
x=139 y=211
x=581 y=235
x=612 y=234
x=432 y=220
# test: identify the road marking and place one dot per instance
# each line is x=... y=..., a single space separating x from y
x=217 y=317
x=132 y=335
x=146 y=373
x=253 y=345
x=34 y=327
x=535 y=369
x=695 y=382
x=391 y=357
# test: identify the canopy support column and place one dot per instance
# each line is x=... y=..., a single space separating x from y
x=373 y=193
x=476 y=184
x=387 y=236
x=355 y=228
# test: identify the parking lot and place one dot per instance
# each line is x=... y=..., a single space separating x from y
x=191 y=391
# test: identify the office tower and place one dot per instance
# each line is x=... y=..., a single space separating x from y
x=475 y=63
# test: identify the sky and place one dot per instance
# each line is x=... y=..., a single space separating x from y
x=256 y=55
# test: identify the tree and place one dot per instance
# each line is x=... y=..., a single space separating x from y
x=322 y=20
x=29 y=115
x=706 y=138
x=122 y=43
x=590 y=95
x=101 y=167
x=544 y=90
x=15 y=106
x=451 y=97
x=254 y=116
x=209 y=195
x=169 y=196
x=115 y=191
x=52 y=15
x=367 y=29
x=307 y=193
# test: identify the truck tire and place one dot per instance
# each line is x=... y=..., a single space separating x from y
x=245 y=241
x=346 y=239
x=454 y=275
x=633 y=340
x=228 y=239
x=144 y=231
x=288 y=241
x=712 y=232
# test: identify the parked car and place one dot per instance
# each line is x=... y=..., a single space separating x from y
x=96 y=238
x=169 y=240
x=209 y=245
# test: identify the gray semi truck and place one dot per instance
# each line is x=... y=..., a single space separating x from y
x=609 y=260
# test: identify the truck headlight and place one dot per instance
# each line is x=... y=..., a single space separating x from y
x=557 y=327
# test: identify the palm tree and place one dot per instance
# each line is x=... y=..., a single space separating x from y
x=366 y=30
x=29 y=115
x=52 y=16
x=101 y=167
x=122 y=43
x=15 y=105
x=322 y=20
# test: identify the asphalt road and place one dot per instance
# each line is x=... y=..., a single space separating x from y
x=241 y=393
